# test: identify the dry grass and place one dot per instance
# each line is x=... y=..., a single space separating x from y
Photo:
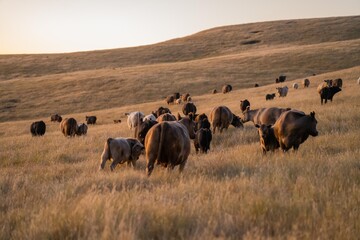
x=50 y=186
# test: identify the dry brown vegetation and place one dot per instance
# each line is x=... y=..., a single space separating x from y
x=50 y=186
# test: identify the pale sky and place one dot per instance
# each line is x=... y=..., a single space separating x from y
x=55 y=26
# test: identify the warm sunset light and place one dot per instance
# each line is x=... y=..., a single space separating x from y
x=43 y=26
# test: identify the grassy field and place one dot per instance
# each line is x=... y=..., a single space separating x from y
x=51 y=188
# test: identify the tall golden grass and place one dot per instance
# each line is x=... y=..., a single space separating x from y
x=51 y=188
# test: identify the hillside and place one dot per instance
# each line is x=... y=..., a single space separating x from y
x=38 y=85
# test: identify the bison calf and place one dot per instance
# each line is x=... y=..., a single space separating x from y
x=268 y=141
x=38 y=128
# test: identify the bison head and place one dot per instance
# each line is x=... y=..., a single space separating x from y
x=237 y=122
x=312 y=125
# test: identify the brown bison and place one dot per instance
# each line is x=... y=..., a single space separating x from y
x=268 y=141
x=161 y=110
x=69 y=127
x=293 y=128
x=56 y=118
x=326 y=83
x=221 y=117
x=170 y=99
x=38 y=128
x=244 y=104
x=90 y=119
x=202 y=140
x=168 y=144
x=226 y=88
x=306 y=83
x=166 y=117
x=121 y=150
x=189 y=108
x=184 y=97
x=214 y=91
x=267 y=116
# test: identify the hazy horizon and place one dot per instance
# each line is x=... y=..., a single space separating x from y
x=42 y=26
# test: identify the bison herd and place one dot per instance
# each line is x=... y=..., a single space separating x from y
x=165 y=139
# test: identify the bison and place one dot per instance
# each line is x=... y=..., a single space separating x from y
x=244 y=104
x=328 y=93
x=202 y=140
x=306 y=83
x=221 y=117
x=189 y=108
x=161 y=110
x=282 y=91
x=293 y=128
x=69 y=127
x=280 y=79
x=56 y=118
x=295 y=85
x=267 y=116
x=168 y=144
x=121 y=150
x=166 y=117
x=214 y=91
x=268 y=141
x=170 y=99
x=270 y=96
x=117 y=120
x=38 y=128
x=226 y=88
x=143 y=128
x=82 y=129
x=184 y=97
x=90 y=119
x=134 y=119
x=326 y=83
x=149 y=117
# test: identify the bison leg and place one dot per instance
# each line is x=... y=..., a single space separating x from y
x=113 y=165
x=182 y=166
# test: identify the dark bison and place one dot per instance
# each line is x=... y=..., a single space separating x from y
x=306 y=83
x=202 y=140
x=189 y=108
x=256 y=85
x=176 y=95
x=226 y=88
x=168 y=144
x=202 y=122
x=328 y=93
x=69 y=127
x=170 y=99
x=161 y=110
x=221 y=117
x=214 y=91
x=280 y=79
x=270 y=96
x=82 y=129
x=337 y=83
x=265 y=116
x=268 y=141
x=326 y=83
x=185 y=96
x=143 y=128
x=244 y=104
x=56 y=118
x=38 y=128
x=293 y=128
x=90 y=119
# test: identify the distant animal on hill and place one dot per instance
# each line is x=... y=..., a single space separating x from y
x=221 y=117
x=328 y=93
x=68 y=127
x=244 y=104
x=268 y=141
x=202 y=123
x=270 y=96
x=184 y=97
x=214 y=91
x=295 y=85
x=121 y=150
x=226 y=88
x=326 y=83
x=267 y=116
x=170 y=99
x=149 y=117
x=90 y=119
x=134 y=119
x=280 y=79
x=293 y=128
x=256 y=85
x=338 y=83
x=282 y=91
x=38 y=128
x=117 y=120
x=176 y=95
x=178 y=101
x=161 y=110
x=202 y=140
x=56 y=118
x=82 y=129
x=306 y=83
x=143 y=128
x=166 y=117
x=168 y=144
x=189 y=107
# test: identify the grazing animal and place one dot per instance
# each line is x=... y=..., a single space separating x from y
x=117 y=120
x=282 y=91
x=68 y=127
x=268 y=141
x=270 y=96
x=121 y=150
x=202 y=140
x=185 y=96
x=202 y=122
x=168 y=144
x=134 y=119
x=221 y=117
x=38 y=128
x=256 y=85
x=328 y=93
x=170 y=99
x=82 y=129
x=160 y=110
x=244 y=104
x=214 y=91
x=295 y=86
x=189 y=107
x=166 y=117
x=326 y=83
x=178 y=101
x=226 y=88
x=267 y=116
x=176 y=95
x=306 y=83
x=338 y=83
x=280 y=79
x=56 y=118
x=90 y=119
x=293 y=128
x=143 y=128
x=149 y=117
